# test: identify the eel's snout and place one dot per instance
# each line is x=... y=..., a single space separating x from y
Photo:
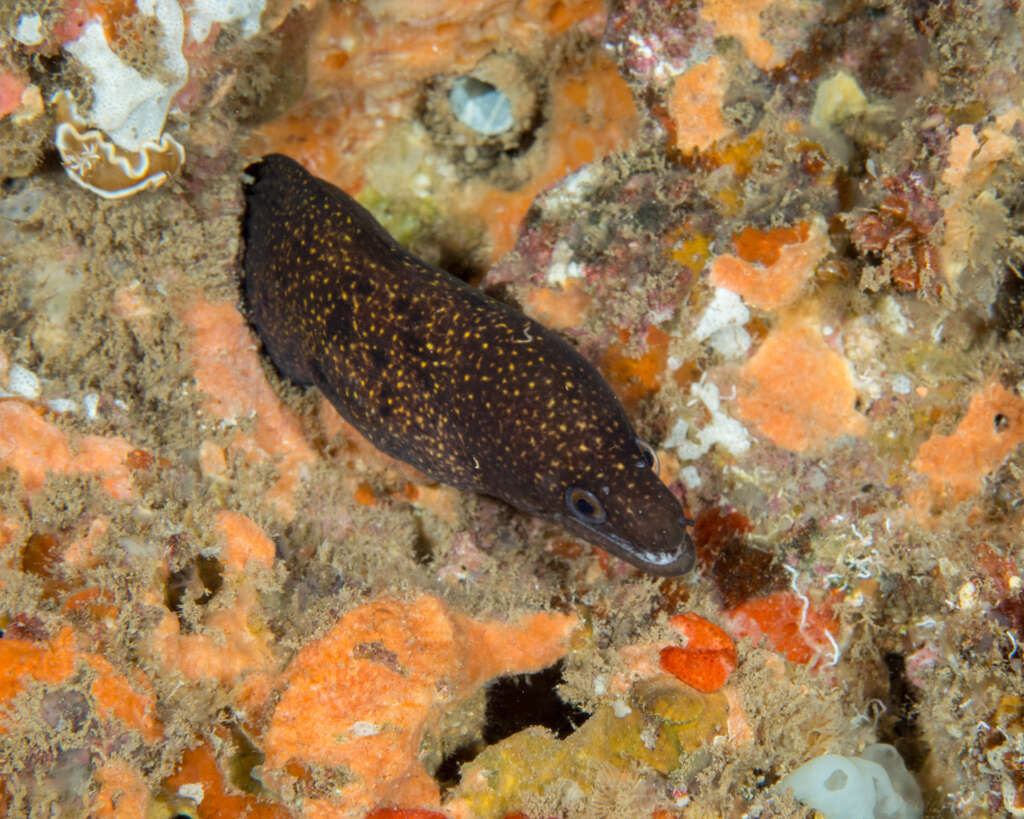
x=669 y=549
x=679 y=559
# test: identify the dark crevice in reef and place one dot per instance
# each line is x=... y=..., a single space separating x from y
x=899 y=725
x=516 y=702
x=198 y=581
x=519 y=701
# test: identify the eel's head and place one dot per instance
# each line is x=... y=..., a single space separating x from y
x=620 y=504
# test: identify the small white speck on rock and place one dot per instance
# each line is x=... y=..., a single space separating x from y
x=721 y=325
x=91 y=403
x=23 y=382
x=901 y=384
x=29 y=30
x=690 y=477
x=193 y=791
x=62 y=405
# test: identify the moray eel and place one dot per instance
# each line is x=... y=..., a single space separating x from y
x=433 y=372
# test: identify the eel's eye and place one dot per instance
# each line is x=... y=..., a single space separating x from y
x=648 y=457
x=584 y=505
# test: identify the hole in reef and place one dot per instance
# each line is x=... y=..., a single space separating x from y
x=175 y=588
x=447 y=773
x=503 y=293
x=245 y=757
x=422 y=548
x=516 y=702
x=898 y=725
x=454 y=260
x=1009 y=304
x=519 y=701
x=211 y=575
x=198 y=580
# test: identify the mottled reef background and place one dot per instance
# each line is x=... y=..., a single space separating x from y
x=789 y=233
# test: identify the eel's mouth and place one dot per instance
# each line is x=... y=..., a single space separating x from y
x=677 y=556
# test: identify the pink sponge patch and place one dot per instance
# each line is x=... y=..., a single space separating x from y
x=11 y=89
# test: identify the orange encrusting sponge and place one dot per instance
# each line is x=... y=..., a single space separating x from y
x=362 y=696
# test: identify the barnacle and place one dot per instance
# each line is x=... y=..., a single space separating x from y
x=93 y=161
x=490 y=115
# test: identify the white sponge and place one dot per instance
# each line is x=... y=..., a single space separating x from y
x=876 y=785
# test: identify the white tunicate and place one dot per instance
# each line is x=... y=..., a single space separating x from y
x=23 y=382
x=728 y=432
x=725 y=308
x=890 y=316
x=29 y=30
x=576 y=185
x=204 y=13
x=91 y=403
x=365 y=729
x=730 y=342
x=193 y=791
x=677 y=435
x=721 y=429
x=690 y=477
x=480 y=106
x=722 y=324
x=62 y=405
x=901 y=384
x=876 y=785
x=563 y=266
x=129 y=107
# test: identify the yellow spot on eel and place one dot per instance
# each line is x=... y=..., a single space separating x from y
x=432 y=371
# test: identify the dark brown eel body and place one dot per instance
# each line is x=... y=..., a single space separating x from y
x=435 y=373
